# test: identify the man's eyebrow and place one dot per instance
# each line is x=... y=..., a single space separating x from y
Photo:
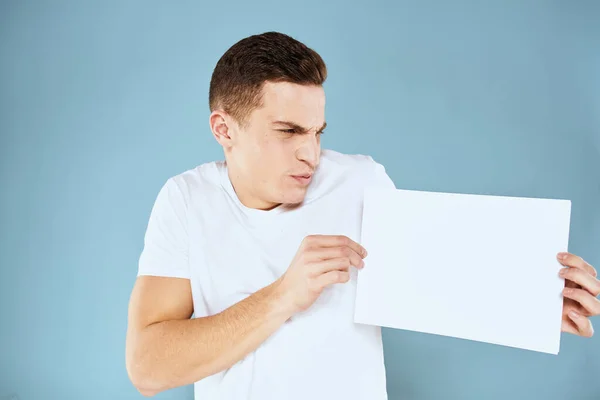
x=298 y=127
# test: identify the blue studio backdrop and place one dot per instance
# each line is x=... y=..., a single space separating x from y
x=101 y=102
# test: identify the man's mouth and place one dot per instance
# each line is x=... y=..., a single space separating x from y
x=303 y=178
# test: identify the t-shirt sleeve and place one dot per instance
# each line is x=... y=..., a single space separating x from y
x=379 y=177
x=165 y=251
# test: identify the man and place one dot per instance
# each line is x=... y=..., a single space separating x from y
x=262 y=249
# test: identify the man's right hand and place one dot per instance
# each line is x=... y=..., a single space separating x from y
x=321 y=260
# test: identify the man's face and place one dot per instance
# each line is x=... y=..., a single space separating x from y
x=271 y=159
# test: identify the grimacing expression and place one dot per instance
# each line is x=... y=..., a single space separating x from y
x=272 y=157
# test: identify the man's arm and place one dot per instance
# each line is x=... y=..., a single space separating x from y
x=167 y=349
x=164 y=347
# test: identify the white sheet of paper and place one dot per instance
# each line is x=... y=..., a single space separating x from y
x=475 y=267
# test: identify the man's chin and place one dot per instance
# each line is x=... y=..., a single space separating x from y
x=294 y=198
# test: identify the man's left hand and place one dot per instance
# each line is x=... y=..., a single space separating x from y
x=580 y=294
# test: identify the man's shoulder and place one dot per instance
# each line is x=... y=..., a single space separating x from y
x=203 y=178
x=363 y=168
x=347 y=160
x=361 y=165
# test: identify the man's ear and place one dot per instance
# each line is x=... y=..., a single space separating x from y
x=220 y=125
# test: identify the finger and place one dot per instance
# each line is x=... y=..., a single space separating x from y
x=333 y=264
x=571 y=260
x=569 y=326
x=327 y=253
x=333 y=277
x=582 y=278
x=334 y=241
x=572 y=284
x=587 y=301
x=583 y=324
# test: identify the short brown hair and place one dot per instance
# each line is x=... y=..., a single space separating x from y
x=238 y=78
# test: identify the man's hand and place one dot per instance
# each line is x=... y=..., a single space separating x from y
x=321 y=260
x=580 y=295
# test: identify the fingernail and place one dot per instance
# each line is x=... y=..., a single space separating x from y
x=562 y=255
x=563 y=271
x=362 y=264
x=573 y=314
x=567 y=291
x=365 y=252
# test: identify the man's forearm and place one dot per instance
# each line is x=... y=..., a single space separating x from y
x=174 y=353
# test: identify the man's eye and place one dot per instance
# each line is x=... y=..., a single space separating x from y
x=288 y=130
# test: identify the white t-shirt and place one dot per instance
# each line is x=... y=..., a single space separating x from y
x=199 y=230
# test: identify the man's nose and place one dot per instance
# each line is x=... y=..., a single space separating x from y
x=310 y=150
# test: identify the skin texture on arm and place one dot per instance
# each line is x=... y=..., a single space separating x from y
x=167 y=349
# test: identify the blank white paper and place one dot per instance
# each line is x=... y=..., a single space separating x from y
x=474 y=267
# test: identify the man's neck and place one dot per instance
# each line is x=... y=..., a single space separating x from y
x=245 y=194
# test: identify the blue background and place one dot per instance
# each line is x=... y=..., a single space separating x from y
x=100 y=102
